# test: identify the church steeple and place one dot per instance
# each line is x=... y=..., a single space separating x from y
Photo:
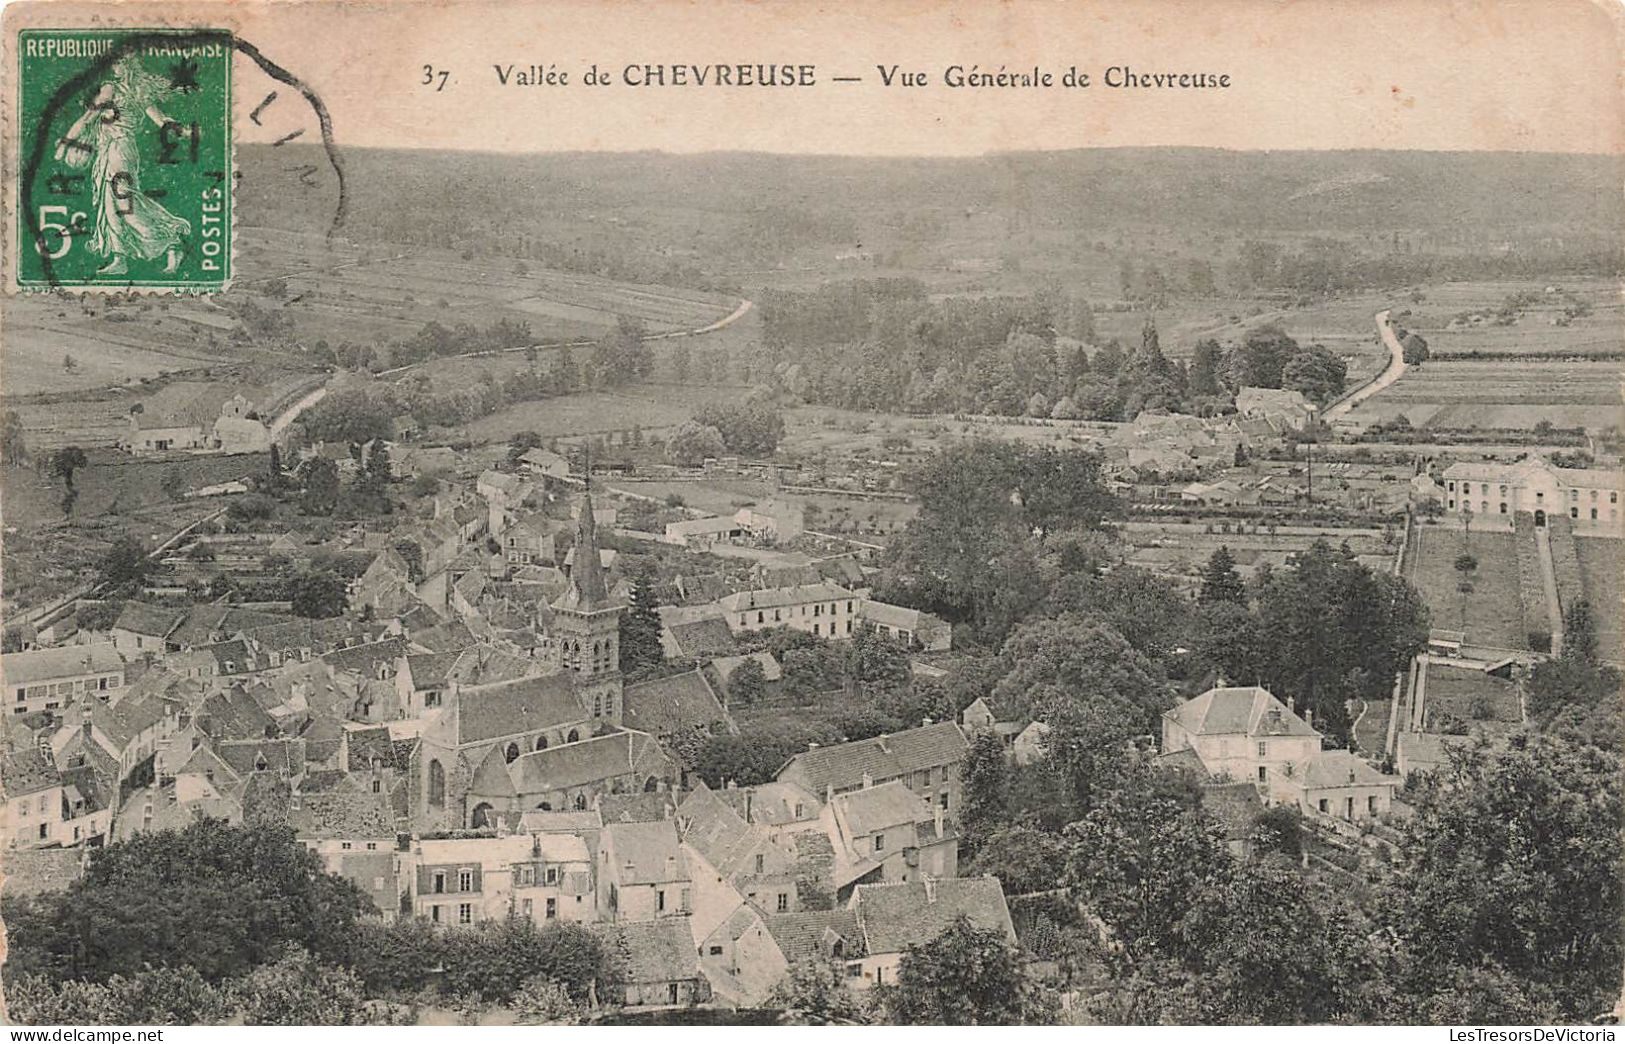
x=588 y=591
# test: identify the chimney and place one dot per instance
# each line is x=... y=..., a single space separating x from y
x=868 y=781
x=84 y=722
x=829 y=793
x=812 y=744
x=925 y=721
x=880 y=740
x=1292 y=704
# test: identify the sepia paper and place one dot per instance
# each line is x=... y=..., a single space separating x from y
x=788 y=513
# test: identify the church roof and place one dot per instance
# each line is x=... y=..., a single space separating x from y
x=508 y=708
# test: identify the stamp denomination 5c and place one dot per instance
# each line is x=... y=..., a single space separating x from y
x=125 y=156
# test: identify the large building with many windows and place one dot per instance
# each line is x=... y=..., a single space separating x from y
x=1588 y=496
x=50 y=679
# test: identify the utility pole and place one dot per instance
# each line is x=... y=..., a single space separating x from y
x=1309 y=458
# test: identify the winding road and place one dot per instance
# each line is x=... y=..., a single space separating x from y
x=1396 y=367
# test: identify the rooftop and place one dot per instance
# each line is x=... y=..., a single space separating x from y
x=1238 y=711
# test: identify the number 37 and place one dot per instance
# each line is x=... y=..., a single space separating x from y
x=431 y=75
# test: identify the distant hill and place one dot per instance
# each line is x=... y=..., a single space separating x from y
x=661 y=217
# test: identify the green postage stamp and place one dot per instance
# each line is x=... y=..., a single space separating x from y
x=124 y=157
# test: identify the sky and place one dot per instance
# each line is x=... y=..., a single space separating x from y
x=1520 y=75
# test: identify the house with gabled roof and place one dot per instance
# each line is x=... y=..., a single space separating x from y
x=33 y=812
x=889 y=833
x=740 y=957
x=1339 y=783
x=643 y=872
x=657 y=963
x=1243 y=733
x=927 y=760
x=893 y=917
x=143 y=630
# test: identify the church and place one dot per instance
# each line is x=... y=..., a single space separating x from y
x=553 y=741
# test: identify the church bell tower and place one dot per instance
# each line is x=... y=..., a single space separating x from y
x=587 y=625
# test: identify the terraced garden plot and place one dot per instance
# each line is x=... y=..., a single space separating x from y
x=1491 y=613
x=1602 y=576
x=1459 y=696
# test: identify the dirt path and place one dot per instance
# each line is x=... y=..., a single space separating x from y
x=1548 y=580
x=1396 y=368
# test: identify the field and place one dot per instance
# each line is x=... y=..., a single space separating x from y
x=1470 y=697
x=343 y=292
x=1181 y=549
x=1602 y=573
x=110 y=343
x=1568 y=393
x=1491 y=613
x=866 y=518
x=652 y=407
x=1443 y=318
x=821 y=432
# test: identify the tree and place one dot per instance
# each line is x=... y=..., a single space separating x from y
x=541 y=999
x=1579 y=632
x=318 y=594
x=1205 y=364
x=125 y=564
x=1332 y=630
x=1316 y=372
x=1024 y=858
x=13 y=447
x=1070 y=662
x=152 y=996
x=815 y=993
x=379 y=470
x=1220 y=581
x=970 y=554
x=966 y=976
x=692 y=443
x=296 y=990
x=1513 y=866
x=640 y=629
x=273 y=470
x=747 y=683
x=753 y=427
x=321 y=487
x=1138 y=857
x=1414 y=349
x=1258 y=361
x=216 y=898
x=985 y=776
x=63 y=464
x=1265 y=947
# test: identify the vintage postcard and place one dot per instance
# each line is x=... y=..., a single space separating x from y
x=926 y=512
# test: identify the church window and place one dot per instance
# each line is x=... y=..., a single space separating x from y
x=541 y=742
x=437 y=785
x=511 y=753
x=575 y=735
x=581 y=802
